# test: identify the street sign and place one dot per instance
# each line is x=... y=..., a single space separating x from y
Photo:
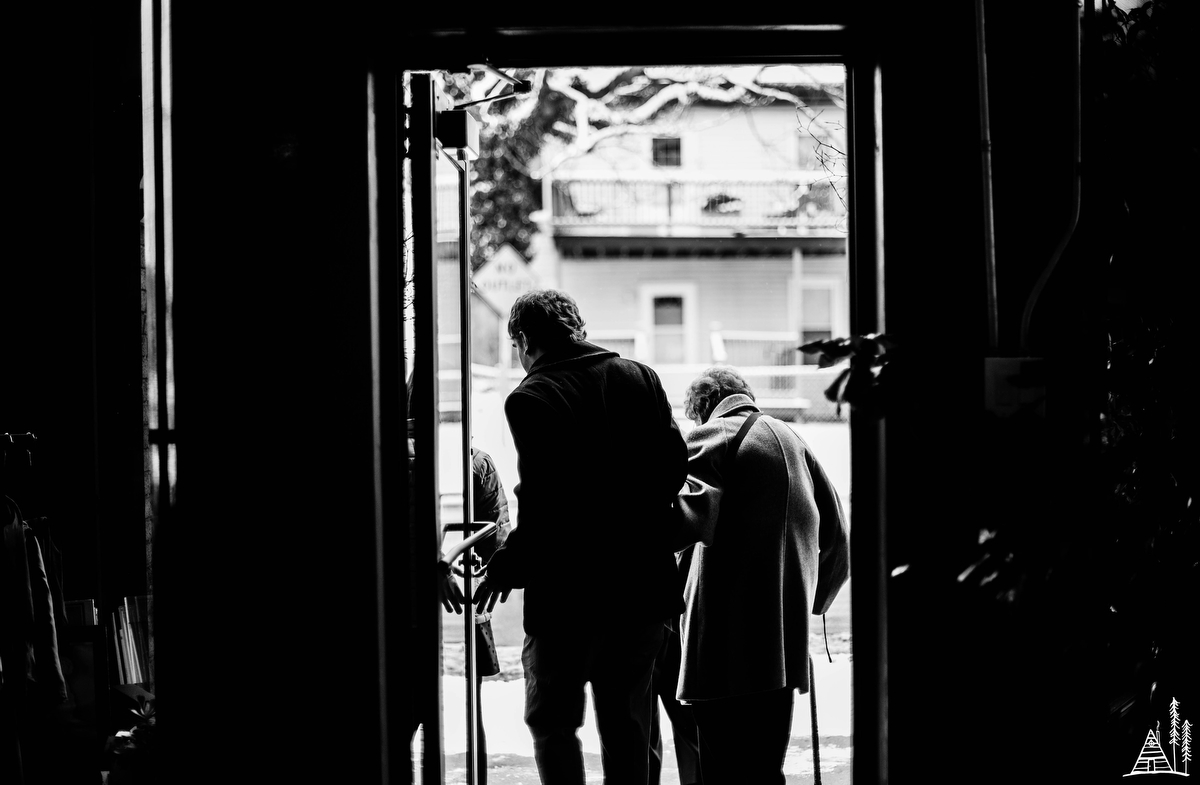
x=504 y=278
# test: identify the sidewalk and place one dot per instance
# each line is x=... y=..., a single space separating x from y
x=510 y=750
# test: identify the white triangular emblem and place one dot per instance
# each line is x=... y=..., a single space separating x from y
x=1151 y=760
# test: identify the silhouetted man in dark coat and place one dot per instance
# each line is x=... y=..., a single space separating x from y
x=600 y=459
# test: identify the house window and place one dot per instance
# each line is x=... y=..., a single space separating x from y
x=666 y=151
x=816 y=318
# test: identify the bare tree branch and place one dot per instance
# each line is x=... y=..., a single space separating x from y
x=570 y=113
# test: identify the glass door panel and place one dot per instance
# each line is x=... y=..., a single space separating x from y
x=454 y=488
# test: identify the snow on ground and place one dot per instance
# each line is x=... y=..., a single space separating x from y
x=503 y=705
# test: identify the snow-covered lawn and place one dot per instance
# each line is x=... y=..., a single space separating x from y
x=508 y=739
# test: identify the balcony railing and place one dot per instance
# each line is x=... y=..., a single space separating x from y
x=801 y=203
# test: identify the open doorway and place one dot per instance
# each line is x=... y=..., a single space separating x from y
x=699 y=216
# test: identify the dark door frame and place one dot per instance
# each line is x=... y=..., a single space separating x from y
x=826 y=36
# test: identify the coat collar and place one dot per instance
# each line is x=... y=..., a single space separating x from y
x=572 y=353
x=731 y=404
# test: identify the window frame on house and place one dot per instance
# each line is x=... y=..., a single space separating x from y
x=838 y=324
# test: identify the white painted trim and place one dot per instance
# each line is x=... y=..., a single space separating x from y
x=759 y=335
x=793 y=291
x=839 y=306
x=690 y=292
x=691 y=174
x=603 y=337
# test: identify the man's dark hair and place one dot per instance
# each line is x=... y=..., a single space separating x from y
x=548 y=318
x=710 y=388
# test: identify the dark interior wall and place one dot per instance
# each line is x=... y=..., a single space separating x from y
x=987 y=647
x=70 y=295
x=265 y=577
x=1002 y=625
x=935 y=306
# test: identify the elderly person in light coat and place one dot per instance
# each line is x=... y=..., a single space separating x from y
x=769 y=547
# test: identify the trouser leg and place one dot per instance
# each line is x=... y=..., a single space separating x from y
x=683 y=724
x=622 y=690
x=744 y=739
x=11 y=765
x=555 y=675
x=659 y=688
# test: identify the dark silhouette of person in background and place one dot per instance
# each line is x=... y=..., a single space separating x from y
x=600 y=460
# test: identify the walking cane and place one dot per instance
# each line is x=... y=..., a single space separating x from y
x=812 y=700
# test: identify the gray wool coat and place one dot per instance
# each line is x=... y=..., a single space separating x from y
x=772 y=548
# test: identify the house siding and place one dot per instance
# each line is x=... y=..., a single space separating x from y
x=737 y=293
x=739 y=230
x=722 y=139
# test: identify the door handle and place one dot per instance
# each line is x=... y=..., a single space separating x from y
x=487 y=529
